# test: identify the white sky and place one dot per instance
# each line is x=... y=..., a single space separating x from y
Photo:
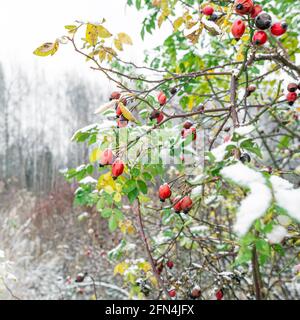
x=26 y=24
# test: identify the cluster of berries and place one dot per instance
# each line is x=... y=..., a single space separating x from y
x=263 y=21
x=156 y=114
x=121 y=120
x=108 y=158
x=179 y=203
x=292 y=96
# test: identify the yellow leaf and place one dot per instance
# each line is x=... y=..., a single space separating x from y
x=153 y=280
x=177 y=23
x=190 y=103
x=95 y=155
x=118 y=44
x=117 y=197
x=126 y=227
x=91 y=34
x=145 y=266
x=102 y=54
x=245 y=38
x=103 y=32
x=240 y=57
x=161 y=19
x=124 y=38
x=110 y=53
x=106 y=180
x=109 y=189
x=71 y=28
x=46 y=49
x=121 y=268
x=126 y=113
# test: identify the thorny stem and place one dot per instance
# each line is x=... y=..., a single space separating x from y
x=148 y=251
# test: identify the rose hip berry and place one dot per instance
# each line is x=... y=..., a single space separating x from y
x=164 y=192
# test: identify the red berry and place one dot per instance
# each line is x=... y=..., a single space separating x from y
x=172 y=293
x=115 y=95
x=164 y=192
x=187 y=125
x=170 y=264
x=259 y=38
x=238 y=28
x=279 y=28
x=117 y=168
x=106 y=157
x=256 y=10
x=160 y=118
x=243 y=6
x=219 y=294
x=186 y=204
x=291 y=97
x=118 y=111
x=162 y=99
x=208 y=10
x=177 y=204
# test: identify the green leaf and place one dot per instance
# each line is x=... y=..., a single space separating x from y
x=112 y=223
x=251 y=147
x=118 y=214
x=142 y=186
x=147 y=176
x=129 y=186
x=138 y=4
x=132 y=195
x=106 y=213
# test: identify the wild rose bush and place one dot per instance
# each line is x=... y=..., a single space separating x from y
x=195 y=156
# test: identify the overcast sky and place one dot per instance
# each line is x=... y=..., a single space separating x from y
x=26 y=24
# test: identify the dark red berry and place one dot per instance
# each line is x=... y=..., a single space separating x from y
x=173 y=90
x=263 y=21
x=187 y=125
x=115 y=95
x=170 y=264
